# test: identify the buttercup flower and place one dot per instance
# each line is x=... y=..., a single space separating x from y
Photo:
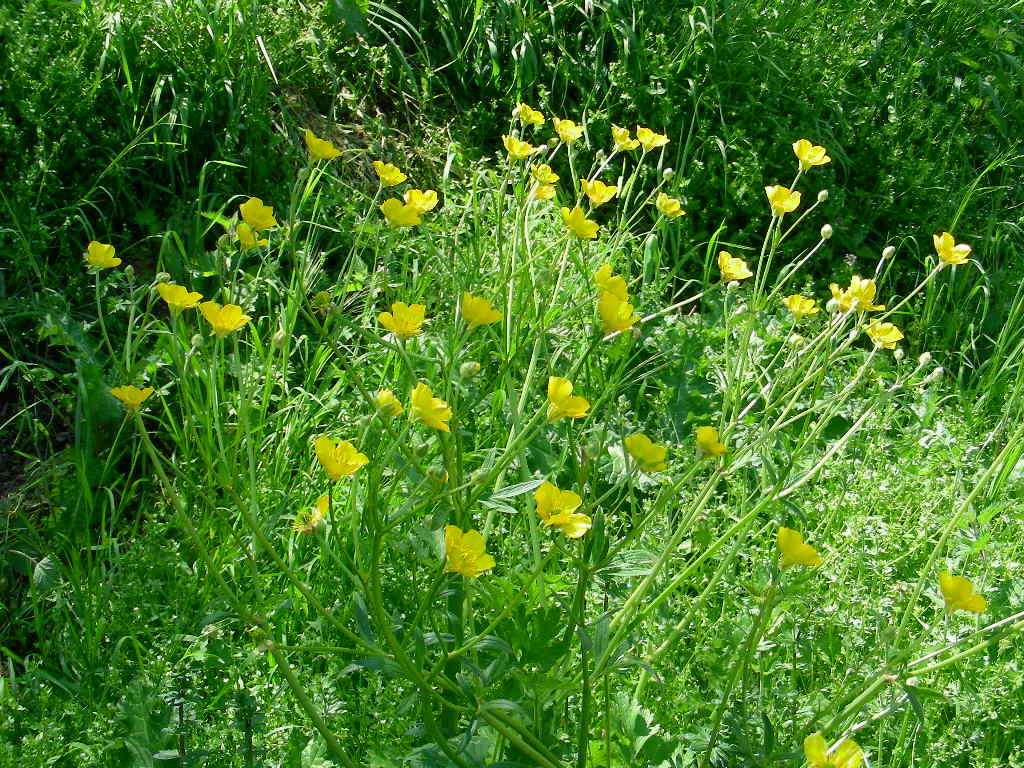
x=650 y=140
x=860 y=295
x=478 y=311
x=338 y=459
x=794 y=551
x=650 y=457
x=883 y=334
x=247 y=238
x=421 y=200
x=309 y=519
x=257 y=215
x=527 y=115
x=809 y=155
x=543 y=192
x=130 y=396
x=101 y=256
x=799 y=306
x=615 y=313
x=320 y=149
x=399 y=214
x=669 y=206
x=598 y=192
x=609 y=283
x=562 y=403
x=388 y=174
x=387 y=404
x=404 y=320
x=959 y=594
x=622 y=141
x=429 y=410
x=178 y=297
x=517 y=148
x=707 y=442
x=948 y=252
x=543 y=174
x=846 y=755
x=567 y=130
x=782 y=200
x=732 y=268
x=464 y=552
x=224 y=319
x=558 y=509
x=577 y=221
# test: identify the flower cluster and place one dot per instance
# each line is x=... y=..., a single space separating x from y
x=415 y=202
x=613 y=305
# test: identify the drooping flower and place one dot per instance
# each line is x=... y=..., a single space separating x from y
x=948 y=251
x=257 y=215
x=387 y=404
x=309 y=519
x=794 y=551
x=562 y=403
x=598 y=192
x=224 y=319
x=429 y=410
x=388 y=174
x=615 y=313
x=883 y=334
x=846 y=755
x=707 y=442
x=799 y=306
x=131 y=396
x=464 y=553
x=609 y=283
x=809 y=155
x=517 y=148
x=576 y=220
x=421 y=200
x=623 y=143
x=543 y=192
x=669 y=206
x=732 y=267
x=247 y=238
x=527 y=115
x=178 y=297
x=478 y=311
x=101 y=256
x=399 y=214
x=782 y=200
x=649 y=457
x=320 y=149
x=543 y=174
x=338 y=458
x=558 y=509
x=960 y=595
x=567 y=130
x=650 y=140
x=404 y=320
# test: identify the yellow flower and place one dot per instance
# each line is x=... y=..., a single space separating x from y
x=615 y=313
x=224 y=319
x=669 y=206
x=543 y=192
x=799 y=306
x=429 y=410
x=517 y=148
x=543 y=174
x=464 y=552
x=622 y=141
x=422 y=201
x=883 y=334
x=860 y=295
x=567 y=130
x=558 y=509
x=707 y=442
x=809 y=155
x=598 y=192
x=388 y=174
x=782 y=200
x=732 y=268
x=399 y=214
x=527 y=115
x=257 y=215
x=130 y=396
x=404 y=320
x=649 y=139
x=578 y=222
x=247 y=238
x=178 y=297
x=320 y=149
x=794 y=551
x=846 y=755
x=959 y=594
x=561 y=401
x=101 y=256
x=609 y=283
x=387 y=404
x=478 y=311
x=338 y=459
x=948 y=252
x=309 y=519
x=649 y=456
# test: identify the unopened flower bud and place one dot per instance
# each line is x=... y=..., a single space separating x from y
x=196 y=341
x=732 y=285
x=129 y=271
x=826 y=231
x=888 y=251
x=936 y=374
x=852 y=335
x=279 y=339
x=438 y=475
x=832 y=305
x=796 y=339
x=667 y=174
x=469 y=369
x=599 y=155
x=162 y=277
x=823 y=196
x=925 y=358
x=898 y=353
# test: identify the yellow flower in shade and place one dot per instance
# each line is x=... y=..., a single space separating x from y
x=224 y=319
x=616 y=314
x=959 y=594
x=247 y=238
x=948 y=252
x=543 y=192
x=257 y=215
x=101 y=256
x=478 y=311
x=404 y=320
x=543 y=174
x=562 y=403
x=464 y=552
x=732 y=268
x=517 y=148
x=388 y=174
x=421 y=200
x=707 y=443
x=794 y=551
x=799 y=306
x=809 y=155
x=527 y=115
x=649 y=457
x=131 y=397
x=309 y=519
x=669 y=206
x=883 y=334
x=319 y=149
x=178 y=297
x=598 y=192
x=567 y=130
x=558 y=510
x=782 y=200
x=649 y=139
x=399 y=214
x=429 y=410
x=622 y=141
x=387 y=404
x=577 y=221
x=338 y=459
x=846 y=755
x=609 y=283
